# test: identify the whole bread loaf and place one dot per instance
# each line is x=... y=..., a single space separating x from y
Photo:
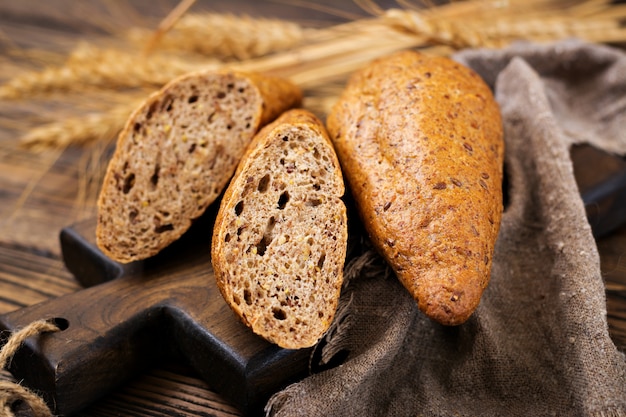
x=176 y=154
x=420 y=142
x=279 y=241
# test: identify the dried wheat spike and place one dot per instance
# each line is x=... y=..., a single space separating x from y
x=503 y=28
x=77 y=130
x=226 y=36
x=89 y=66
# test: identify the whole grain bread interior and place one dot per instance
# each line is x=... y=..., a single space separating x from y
x=280 y=237
x=176 y=154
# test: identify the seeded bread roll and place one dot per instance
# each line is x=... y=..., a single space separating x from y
x=420 y=142
x=279 y=242
x=177 y=153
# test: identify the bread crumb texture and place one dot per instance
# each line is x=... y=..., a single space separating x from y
x=279 y=242
x=177 y=153
x=420 y=141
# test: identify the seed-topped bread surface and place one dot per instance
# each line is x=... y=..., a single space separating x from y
x=279 y=242
x=176 y=155
x=420 y=142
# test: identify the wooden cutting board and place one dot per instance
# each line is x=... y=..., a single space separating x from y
x=132 y=317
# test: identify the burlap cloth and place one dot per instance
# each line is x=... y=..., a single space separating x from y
x=538 y=345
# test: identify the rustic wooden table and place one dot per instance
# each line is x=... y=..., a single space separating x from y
x=40 y=193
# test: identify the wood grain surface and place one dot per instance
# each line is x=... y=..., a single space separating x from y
x=40 y=193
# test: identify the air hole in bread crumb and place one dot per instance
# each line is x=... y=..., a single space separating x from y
x=211 y=117
x=132 y=216
x=279 y=313
x=137 y=127
x=313 y=202
x=267 y=238
x=236 y=300
x=239 y=208
x=229 y=126
x=192 y=148
x=320 y=314
x=285 y=138
x=283 y=200
x=264 y=183
x=163 y=228
x=151 y=110
x=247 y=296
x=221 y=94
x=227 y=238
x=154 y=179
x=192 y=99
x=317 y=187
x=310 y=241
x=129 y=183
x=321 y=260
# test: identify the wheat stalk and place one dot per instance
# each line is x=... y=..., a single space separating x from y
x=166 y=24
x=90 y=66
x=79 y=130
x=497 y=30
x=214 y=35
x=311 y=58
x=225 y=36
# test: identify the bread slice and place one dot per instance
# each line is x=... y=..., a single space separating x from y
x=279 y=242
x=177 y=153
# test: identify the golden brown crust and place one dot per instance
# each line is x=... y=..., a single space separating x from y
x=278 y=95
x=279 y=261
x=420 y=142
x=177 y=153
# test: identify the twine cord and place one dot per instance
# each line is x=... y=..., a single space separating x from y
x=11 y=392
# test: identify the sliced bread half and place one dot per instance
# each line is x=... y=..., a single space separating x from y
x=176 y=155
x=279 y=242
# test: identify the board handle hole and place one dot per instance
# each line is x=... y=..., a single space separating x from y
x=60 y=322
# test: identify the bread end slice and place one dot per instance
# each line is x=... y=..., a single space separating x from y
x=176 y=154
x=279 y=242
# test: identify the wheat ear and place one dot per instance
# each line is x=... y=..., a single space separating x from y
x=89 y=66
x=224 y=36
